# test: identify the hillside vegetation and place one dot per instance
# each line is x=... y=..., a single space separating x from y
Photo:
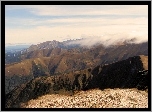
x=38 y=60
x=122 y=74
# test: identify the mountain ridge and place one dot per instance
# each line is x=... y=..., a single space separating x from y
x=50 y=48
x=69 y=60
x=103 y=76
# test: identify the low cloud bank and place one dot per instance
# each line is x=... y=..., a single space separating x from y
x=110 y=39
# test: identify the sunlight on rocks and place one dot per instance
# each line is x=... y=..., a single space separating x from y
x=108 y=98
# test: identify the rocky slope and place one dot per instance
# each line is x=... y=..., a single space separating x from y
x=95 y=98
x=122 y=74
x=112 y=53
x=45 y=49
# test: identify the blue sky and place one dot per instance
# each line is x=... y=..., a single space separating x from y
x=34 y=24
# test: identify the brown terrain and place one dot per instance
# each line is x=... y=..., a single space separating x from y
x=122 y=74
x=47 y=59
x=53 y=67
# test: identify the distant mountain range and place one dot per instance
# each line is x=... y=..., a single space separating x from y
x=72 y=66
x=130 y=73
x=50 y=58
x=53 y=48
x=15 y=48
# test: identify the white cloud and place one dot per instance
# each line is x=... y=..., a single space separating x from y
x=110 y=39
x=91 y=10
x=45 y=33
x=34 y=30
x=77 y=21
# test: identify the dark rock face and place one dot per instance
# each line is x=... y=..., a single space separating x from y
x=122 y=74
x=143 y=83
x=130 y=73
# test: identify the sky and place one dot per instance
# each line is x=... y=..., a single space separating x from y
x=33 y=24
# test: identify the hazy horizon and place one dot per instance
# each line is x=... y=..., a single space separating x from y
x=33 y=24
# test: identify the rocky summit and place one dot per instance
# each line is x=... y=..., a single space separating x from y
x=129 y=73
x=94 y=98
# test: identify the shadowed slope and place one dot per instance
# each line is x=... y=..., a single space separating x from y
x=62 y=60
x=122 y=74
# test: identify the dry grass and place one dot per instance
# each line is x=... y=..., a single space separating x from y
x=144 y=60
x=109 y=98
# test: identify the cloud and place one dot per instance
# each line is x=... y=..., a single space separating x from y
x=66 y=10
x=110 y=39
x=57 y=10
x=98 y=21
x=43 y=33
x=61 y=22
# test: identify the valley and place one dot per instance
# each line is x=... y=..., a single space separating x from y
x=75 y=69
x=35 y=63
x=76 y=56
